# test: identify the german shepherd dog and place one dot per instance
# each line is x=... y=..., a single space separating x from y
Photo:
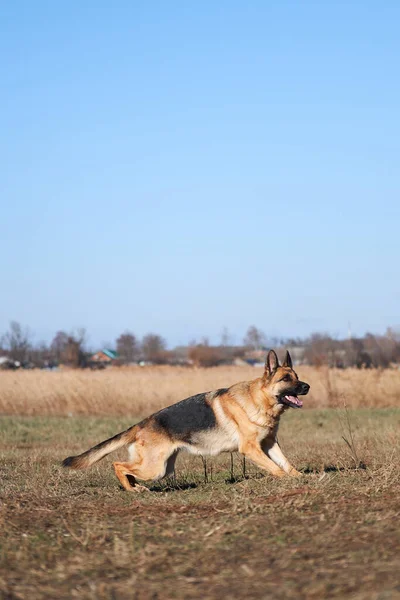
x=244 y=418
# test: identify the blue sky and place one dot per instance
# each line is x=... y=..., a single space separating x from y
x=178 y=167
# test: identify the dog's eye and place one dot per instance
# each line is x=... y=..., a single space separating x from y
x=286 y=378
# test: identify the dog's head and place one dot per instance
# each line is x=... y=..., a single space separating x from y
x=281 y=382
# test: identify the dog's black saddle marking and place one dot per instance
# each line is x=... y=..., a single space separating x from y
x=187 y=417
x=220 y=392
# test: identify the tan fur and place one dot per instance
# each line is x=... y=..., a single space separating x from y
x=92 y=456
x=247 y=417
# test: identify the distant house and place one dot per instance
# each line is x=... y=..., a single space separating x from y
x=103 y=358
x=7 y=363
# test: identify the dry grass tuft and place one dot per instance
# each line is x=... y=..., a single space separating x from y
x=139 y=391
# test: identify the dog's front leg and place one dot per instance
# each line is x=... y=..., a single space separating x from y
x=272 y=448
x=253 y=451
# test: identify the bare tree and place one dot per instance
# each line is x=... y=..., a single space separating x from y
x=322 y=349
x=17 y=342
x=254 y=338
x=74 y=352
x=225 y=337
x=204 y=355
x=393 y=333
x=59 y=345
x=40 y=355
x=153 y=348
x=127 y=347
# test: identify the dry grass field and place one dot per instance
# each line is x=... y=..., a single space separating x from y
x=332 y=534
x=214 y=532
x=139 y=391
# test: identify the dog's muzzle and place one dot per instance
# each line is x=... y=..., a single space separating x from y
x=291 y=398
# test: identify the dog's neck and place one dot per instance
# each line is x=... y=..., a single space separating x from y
x=266 y=403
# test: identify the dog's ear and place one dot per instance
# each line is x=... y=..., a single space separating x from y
x=271 y=363
x=288 y=361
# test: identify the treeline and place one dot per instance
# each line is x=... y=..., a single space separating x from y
x=369 y=351
x=71 y=349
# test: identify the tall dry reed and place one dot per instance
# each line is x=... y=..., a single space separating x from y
x=140 y=391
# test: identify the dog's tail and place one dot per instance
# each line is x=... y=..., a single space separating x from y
x=88 y=458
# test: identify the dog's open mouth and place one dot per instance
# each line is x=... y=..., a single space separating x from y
x=292 y=401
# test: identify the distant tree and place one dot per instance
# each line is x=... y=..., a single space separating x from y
x=127 y=347
x=225 y=337
x=40 y=355
x=393 y=333
x=59 y=345
x=17 y=342
x=322 y=349
x=254 y=338
x=153 y=348
x=392 y=339
x=382 y=349
x=206 y=356
x=74 y=352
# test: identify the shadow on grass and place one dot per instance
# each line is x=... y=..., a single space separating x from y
x=168 y=487
x=239 y=478
x=334 y=469
x=236 y=479
x=173 y=486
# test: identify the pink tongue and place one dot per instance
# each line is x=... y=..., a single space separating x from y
x=294 y=400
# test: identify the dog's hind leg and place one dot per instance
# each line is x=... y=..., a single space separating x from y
x=124 y=472
x=151 y=456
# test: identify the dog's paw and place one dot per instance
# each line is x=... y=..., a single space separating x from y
x=294 y=473
x=139 y=489
x=279 y=473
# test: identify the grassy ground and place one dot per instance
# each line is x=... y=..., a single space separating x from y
x=332 y=534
